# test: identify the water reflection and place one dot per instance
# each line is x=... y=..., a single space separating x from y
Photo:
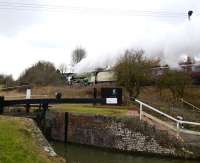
x=81 y=154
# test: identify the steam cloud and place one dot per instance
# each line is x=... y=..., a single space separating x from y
x=169 y=42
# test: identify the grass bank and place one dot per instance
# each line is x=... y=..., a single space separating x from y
x=90 y=109
x=17 y=143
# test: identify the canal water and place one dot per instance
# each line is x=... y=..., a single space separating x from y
x=84 y=154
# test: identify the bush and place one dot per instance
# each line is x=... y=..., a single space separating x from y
x=6 y=80
x=175 y=81
x=41 y=73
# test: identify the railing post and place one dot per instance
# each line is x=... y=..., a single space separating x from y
x=140 y=111
x=178 y=128
x=1 y=104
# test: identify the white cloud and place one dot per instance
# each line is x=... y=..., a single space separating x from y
x=104 y=35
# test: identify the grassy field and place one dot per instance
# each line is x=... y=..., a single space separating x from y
x=17 y=143
x=90 y=109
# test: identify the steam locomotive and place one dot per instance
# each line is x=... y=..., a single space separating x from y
x=107 y=76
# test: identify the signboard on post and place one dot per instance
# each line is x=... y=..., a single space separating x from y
x=1 y=104
x=113 y=96
x=111 y=101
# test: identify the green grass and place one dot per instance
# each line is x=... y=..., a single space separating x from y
x=17 y=143
x=89 y=109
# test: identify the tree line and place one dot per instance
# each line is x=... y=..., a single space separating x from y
x=133 y=70
x=43 y=72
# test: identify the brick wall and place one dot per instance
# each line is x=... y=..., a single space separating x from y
x=123 y=134
x=113 y=133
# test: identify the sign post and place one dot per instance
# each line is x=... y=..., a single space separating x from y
x=28 y=94
x=1 y=104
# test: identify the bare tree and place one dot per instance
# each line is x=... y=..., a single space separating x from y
x=132 y=70
x=6 y=80
x=62 y=68
x=77 y=55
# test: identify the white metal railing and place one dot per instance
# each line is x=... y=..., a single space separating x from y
x=190 y=104
x=177 y=121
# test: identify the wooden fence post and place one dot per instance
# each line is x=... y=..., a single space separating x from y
x=66 y=126
x=94 y=95
x=1 y=104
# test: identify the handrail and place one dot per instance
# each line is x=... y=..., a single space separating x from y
x=158 y=111
x=178 y=122
x=190 y=104
x=191 y=123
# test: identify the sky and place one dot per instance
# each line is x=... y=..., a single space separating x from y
x=33 y=30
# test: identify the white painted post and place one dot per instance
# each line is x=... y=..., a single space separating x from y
x=178 y=128
x=140 y=111
x=28 y=94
